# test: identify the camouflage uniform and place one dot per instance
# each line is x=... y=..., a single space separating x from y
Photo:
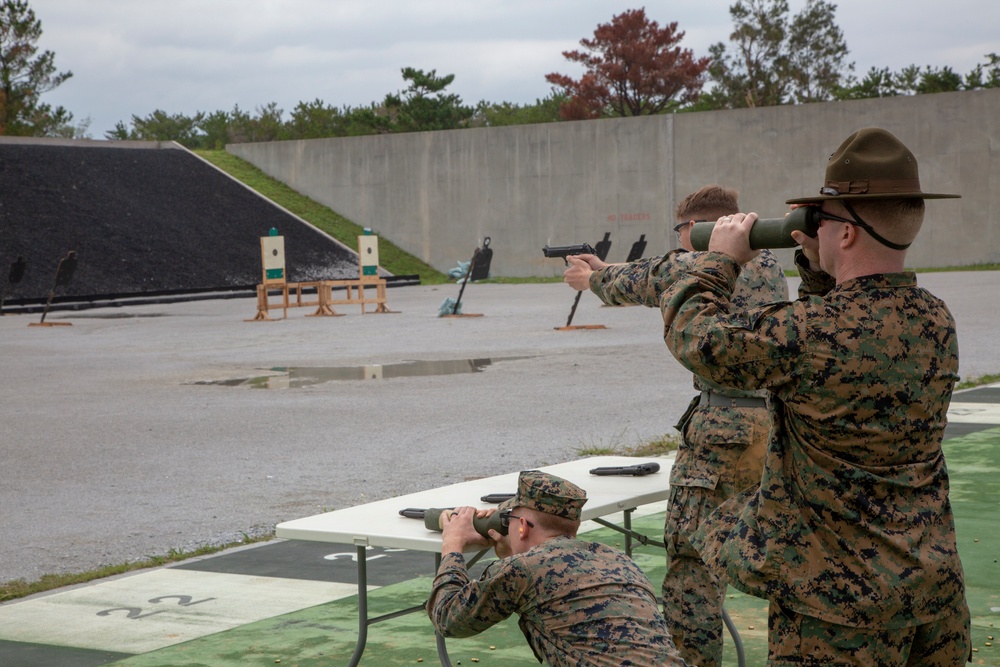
x=580 y=603
x=851 y=524
x=721 y=453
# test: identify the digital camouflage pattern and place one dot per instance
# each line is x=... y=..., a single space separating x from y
x=581 y=604
x=721 y=434
x=851 y=523
x=721 y=452
x=547 y=493
x=944 y=643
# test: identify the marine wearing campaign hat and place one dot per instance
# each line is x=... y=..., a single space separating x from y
x=871 y=164
x=547 y=493
x=863 y=362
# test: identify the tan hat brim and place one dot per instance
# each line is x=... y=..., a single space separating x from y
x=878 y=195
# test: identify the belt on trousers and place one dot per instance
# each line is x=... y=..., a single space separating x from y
x=715 y=400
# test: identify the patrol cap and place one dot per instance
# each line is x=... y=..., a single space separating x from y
x=871 y=164
x=547 y=493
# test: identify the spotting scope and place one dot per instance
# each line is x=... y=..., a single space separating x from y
x=766 y=232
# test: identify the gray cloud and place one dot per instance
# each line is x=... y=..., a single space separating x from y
x=135 y=56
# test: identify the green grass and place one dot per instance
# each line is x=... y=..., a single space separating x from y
x=991 y=378
x=971 y=267
x=657 y=447
x=20 y=588
x=522 y=281
x=391 y=257
x=792 y=273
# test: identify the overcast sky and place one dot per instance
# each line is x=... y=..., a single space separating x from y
x=132 y=57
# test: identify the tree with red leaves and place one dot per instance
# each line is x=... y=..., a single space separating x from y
x=634 y=68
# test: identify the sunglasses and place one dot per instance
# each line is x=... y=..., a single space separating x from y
x=681 y=225
x=505 y=518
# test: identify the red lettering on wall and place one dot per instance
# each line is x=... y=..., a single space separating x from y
x=629 y=217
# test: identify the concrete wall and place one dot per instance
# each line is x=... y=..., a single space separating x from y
x=438 y=194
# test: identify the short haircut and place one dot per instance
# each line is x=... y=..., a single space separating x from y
x=898 y=220
x=708 y=203
x=553 y=523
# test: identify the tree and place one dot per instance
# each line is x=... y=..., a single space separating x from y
x=161 y=126
x=424 y=105
x=314 y=120
x=214 y=130
x=939 y=81
x=911 y=80
x=984 y=76
x=818 y=51
x=25 y=75
x=777 y=61
x=634 y=67
x=878 y=82
x=492 y=114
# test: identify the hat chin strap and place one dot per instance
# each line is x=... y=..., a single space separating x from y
x=871 y=231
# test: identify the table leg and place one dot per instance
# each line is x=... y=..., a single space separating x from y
x=737 y=641
x=627 y=520
x=359 y=648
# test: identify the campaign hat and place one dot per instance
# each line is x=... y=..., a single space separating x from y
x=871 y=164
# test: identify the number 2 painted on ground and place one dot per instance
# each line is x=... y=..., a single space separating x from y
x=136 y=612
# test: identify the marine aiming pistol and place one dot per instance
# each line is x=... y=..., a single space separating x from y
x=564 y=251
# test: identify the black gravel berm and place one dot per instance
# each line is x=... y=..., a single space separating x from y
x=142 y=221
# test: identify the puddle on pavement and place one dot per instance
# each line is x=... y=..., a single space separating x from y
x=305 y=376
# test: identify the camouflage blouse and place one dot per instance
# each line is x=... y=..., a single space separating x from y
x=580 y=604
x=852 y=522
x=713 y=453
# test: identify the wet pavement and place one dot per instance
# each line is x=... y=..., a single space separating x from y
x=133 y=432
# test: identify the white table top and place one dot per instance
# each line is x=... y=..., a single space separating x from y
x=378 y=524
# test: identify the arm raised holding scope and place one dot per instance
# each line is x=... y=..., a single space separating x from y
x=766 y=232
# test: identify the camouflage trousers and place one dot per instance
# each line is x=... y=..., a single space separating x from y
x=692 y=593
x=804 y=641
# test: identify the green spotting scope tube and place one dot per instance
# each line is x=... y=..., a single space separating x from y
x=432 y=521
x=766 y=232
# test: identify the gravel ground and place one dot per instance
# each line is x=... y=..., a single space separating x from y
x=126 y=434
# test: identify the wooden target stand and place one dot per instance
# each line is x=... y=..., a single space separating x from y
x=368 y=278
x=290 y=295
